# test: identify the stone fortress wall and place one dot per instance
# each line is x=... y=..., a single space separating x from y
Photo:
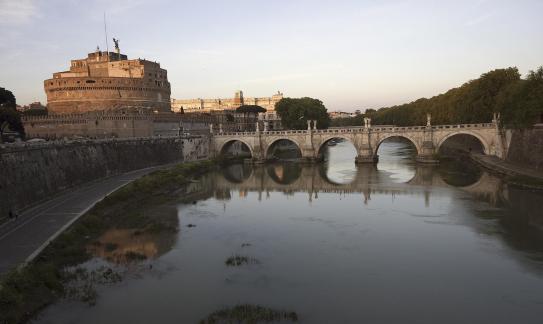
x=210 y=105
x=108 y=81
x=118 y=124
x=526 y=147
x=30 y=173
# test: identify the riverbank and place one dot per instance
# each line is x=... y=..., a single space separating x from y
x=517 y=175
x=25 y=291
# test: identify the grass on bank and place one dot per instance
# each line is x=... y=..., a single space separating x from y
x=25 y=291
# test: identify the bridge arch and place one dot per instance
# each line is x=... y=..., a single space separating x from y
x=324 y=141
x=482 y=141
x=413 y=141
x=229 y=142
x=273 y=141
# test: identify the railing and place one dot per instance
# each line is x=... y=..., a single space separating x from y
x=351 y=130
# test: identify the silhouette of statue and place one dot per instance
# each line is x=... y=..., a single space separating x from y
x=116 y=41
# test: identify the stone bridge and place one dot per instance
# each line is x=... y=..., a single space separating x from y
x=426 y=139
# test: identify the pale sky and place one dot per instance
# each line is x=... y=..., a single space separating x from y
x=350 y=54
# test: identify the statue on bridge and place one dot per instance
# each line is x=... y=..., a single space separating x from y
x=367 y=122
x=428 y=120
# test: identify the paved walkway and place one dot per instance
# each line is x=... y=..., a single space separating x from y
x=22 y=239
x=502 y=166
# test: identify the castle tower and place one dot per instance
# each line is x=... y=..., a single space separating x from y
x=108 y=81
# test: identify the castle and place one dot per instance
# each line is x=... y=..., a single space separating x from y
x=108 y=81
x=108 y=95
x=210 y=105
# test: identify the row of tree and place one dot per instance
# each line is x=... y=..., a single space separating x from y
x=519 y=101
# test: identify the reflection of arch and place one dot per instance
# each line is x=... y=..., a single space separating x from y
x=414 y=142
x=328 y=139
x=237 y=173
x=470 y=173
x=322 y=170
x=272 y=143
x=477 y=136
x=284 y=173
x=227 y=143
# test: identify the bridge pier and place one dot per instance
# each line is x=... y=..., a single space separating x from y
x=427 y=151
x=426 y=159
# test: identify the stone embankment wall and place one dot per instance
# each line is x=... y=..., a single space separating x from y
x=526 y=147
x=32 y=173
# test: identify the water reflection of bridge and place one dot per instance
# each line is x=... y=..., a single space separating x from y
x=290 y=178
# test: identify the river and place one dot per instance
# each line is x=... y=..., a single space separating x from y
x=335 y=243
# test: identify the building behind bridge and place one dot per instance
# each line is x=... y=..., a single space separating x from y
x=224 y=105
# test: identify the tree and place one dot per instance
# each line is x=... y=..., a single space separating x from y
x=7 y=99
x=521 y=104
x=247 y=110
x=295 y=113
x=9 y=116
x=250 y=109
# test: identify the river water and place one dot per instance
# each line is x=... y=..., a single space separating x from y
x=336 y=243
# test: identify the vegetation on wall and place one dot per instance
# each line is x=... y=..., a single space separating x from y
x=295 y=113
x=519 y=101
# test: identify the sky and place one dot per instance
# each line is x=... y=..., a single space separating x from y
x=349 y=54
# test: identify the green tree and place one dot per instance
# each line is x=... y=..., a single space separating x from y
x=7 y=99
x=295 y=112
x=9 y=116
x=521 y=104
x=248 y=110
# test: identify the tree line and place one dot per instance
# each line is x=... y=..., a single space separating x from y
x=518 y=100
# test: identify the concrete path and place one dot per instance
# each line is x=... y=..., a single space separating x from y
x=22 y=239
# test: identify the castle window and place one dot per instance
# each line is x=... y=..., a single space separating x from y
x=90 y=81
